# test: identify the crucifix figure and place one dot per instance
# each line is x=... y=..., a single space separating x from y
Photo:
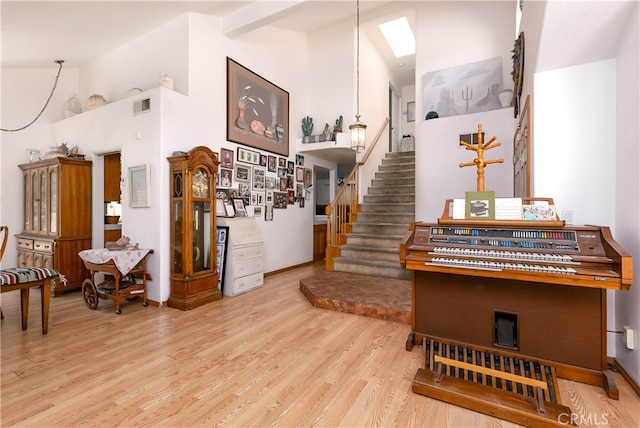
x=479 y=161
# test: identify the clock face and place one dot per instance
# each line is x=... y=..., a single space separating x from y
x=200 y=184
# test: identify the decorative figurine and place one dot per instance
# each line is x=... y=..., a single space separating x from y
x=166 y=81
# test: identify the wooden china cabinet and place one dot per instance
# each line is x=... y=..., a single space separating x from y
x=194 y=279
x=57 y=218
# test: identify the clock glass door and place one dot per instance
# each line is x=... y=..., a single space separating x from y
x=201 y=236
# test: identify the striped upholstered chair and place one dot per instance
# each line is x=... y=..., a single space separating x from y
x=24 y=279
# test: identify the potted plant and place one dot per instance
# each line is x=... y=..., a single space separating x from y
x=338 y=127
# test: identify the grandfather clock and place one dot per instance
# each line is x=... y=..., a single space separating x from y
x=194 y=280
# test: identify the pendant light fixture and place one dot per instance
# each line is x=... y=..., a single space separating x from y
x=358 y=128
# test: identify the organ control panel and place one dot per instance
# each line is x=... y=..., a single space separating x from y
x=585 y=256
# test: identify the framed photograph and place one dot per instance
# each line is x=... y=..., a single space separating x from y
x=229 y=210
x=226 y=177
x=268 y=197
x=268 y=212
x=299 y=174
x=291 y=197
x=139 y=186
x=226 y=158
x=290 y=166
x=308 y=178
x=257 y=211
x=222 y=194
x=244 y=190
x=258 y=182
x=480 y=205
x=271 y=164
x=270 y=182
x=279 y=200
x=282 y=162
x=299 y=159
x=243 y=173
x=220 y=211
x=257 y=111
x=248 y=156
x=222 y=237
x=411 y=111
x=238 y=205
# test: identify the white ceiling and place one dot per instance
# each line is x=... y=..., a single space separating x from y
x=36 y=33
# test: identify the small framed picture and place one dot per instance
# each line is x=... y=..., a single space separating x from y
x=271 y=164
x=226 y=177
x=299 y=173
x=299 y=159
x=229 y=210
x=238 y=205
x=280 y=200
x=226 y=158
x=411 y=111
x=248 y=156
x=282 y=162
x=220 y=211
x=258 y=182
x=257 y=211
x=243 y=173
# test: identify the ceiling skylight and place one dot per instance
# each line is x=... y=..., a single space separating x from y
x=399 y=37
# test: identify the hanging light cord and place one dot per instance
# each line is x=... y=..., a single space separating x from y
x=358 y=58
x=55 y=83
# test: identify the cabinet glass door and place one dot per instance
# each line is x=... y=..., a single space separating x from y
x=201 y=236
x=176 y=236
x=53 y=191
x=43 y=199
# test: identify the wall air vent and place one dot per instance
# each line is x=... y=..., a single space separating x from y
x=141 y=106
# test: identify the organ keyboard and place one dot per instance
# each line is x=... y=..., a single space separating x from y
x=581 y=256
x=536 y=289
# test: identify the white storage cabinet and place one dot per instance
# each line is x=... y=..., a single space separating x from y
x=244 y=268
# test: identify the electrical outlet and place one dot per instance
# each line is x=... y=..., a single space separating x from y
x=567 y=216
x=627 y=336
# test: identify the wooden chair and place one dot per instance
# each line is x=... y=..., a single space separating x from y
x=23 y=279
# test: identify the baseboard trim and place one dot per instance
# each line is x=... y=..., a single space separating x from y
x=275 y=272
x=625 y=375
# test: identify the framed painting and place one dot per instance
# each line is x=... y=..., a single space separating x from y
x=222 y=234
x=139 y=185
x=257 y=111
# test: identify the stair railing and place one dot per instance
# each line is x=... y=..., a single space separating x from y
x=342 y=211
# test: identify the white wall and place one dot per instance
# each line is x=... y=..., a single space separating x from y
x=440 y=177
x=442 y=44
x=569 y=148
x=627 y=192
x=24 y=92
x=408 y=95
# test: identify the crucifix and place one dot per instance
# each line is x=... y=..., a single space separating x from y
x=480 y=162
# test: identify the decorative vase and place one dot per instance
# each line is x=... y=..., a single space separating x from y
x=240 y=123
x=505 y=97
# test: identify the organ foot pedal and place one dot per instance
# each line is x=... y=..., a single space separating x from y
x=506 y=386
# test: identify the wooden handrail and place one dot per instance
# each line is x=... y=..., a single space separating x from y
x=341 y=212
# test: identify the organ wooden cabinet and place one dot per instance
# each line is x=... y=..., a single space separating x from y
x=533 y=290
x=57 y=218
x=194 y=281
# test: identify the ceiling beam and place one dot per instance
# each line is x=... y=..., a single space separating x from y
x=258 y=14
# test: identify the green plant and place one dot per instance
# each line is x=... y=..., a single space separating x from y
x=307 y=126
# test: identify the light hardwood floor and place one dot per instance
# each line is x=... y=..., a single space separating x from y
x=265 y=358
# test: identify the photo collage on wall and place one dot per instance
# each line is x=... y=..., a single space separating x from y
x=252 y=183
